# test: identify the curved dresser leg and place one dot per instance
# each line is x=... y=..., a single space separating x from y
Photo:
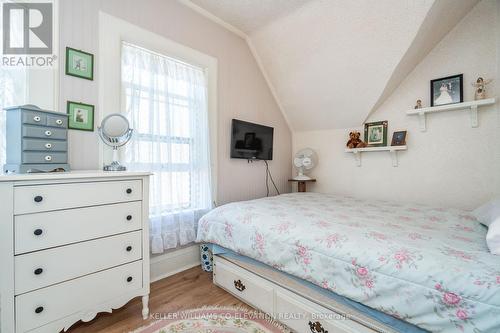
x=145 y=309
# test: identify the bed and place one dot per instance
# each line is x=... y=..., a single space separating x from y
x=427 y=266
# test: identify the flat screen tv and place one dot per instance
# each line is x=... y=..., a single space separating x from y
x=251 y=141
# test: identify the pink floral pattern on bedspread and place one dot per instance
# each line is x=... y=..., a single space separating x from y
x=429 y=265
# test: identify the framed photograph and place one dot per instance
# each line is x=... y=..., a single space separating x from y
x=398 y=138
x=80 y=116
x=376 y=134
x=79 y=64
x=447 y=90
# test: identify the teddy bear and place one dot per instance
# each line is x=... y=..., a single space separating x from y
x=355 y=141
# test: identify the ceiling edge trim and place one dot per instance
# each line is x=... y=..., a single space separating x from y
x=251 y=47
x=256 y=56
x=213 y=18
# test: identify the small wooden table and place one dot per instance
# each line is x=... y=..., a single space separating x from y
x=301 y=184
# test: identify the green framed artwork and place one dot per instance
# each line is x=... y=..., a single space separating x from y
x=79 y=64
x=376 y=134
x=80 y=116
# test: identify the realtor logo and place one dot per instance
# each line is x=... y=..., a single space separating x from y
x=27 y=28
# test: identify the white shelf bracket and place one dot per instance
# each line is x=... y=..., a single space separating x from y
x=357 y=157
x=422 y=121
x=394 y=157
x=473 y=116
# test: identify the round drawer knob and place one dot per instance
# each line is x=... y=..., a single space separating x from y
x=129 y=217
x=48 y=145
x=38 y=271
x=38 y=232
x=129 y=248
x=59 y=122
x=39 y=309
x=38 y=198
x=48 y=158
x=37 y=118
x=129 y=279
x=48 y=133
x=129 y=190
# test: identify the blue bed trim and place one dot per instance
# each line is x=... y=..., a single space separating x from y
x=388 y=320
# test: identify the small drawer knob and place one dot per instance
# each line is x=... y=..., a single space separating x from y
x=129 y=190
x=59 y=122
x=37 y=118
x=38 y=232
x=129 y=248
x=239 y=285
x=38 y=271
x=48 y=158
x=48 y=145
x=38 y=198
x=48 y=133
x=129 y=279
x=129 y=217
x=316 y=327
x=39 y=309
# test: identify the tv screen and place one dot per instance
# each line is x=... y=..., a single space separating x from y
x=251 y=141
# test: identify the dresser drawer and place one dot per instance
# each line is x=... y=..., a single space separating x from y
x=57 y=121
x=33 y=232
x=44 y=145
x=44 y=132
x=39 y=198
x=44 y=268
x=42 y=306
x=249 y=287
x=44 y=157
x=33 y=117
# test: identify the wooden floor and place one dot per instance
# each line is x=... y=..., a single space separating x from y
x=187 y=290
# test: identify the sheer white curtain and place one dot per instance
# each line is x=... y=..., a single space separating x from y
x=165 y=101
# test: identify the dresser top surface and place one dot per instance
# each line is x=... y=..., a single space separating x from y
x=77 y=174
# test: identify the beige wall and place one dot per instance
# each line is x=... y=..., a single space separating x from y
x=242 y=90
x=451 y=164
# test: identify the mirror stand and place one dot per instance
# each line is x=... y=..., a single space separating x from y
x=115 y=165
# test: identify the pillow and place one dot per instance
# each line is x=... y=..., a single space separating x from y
x=493 y=237
x=488 y=212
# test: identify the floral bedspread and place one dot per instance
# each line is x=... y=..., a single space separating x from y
x=429 y=266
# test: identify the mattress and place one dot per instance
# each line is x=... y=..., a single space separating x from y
x=428 y=266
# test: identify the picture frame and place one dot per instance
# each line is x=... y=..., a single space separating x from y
x=447 y=90
x=376 y=134
x=398 y=138
x=80 y=116
x=79 y=63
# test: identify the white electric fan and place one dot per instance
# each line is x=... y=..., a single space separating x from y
x=304 y=161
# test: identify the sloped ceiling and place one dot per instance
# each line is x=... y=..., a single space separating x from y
x=331 y=63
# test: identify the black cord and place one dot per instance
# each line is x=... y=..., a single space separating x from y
x=269 y=175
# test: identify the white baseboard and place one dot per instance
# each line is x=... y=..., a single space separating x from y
x=174 y=262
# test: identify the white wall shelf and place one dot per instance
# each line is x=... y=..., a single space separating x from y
x=472 y=105
x=393 y=150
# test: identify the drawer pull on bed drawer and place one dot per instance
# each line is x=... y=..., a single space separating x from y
x=38 y=232
x=39 y=309
x=129 y=279
x=38 y=198
x=316 y=327
x=129 y=248
x=239 y=285
x=38 y=271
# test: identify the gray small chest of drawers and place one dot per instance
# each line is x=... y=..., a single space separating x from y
x=37 y=140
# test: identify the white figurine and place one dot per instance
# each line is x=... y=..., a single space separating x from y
x=480 y=92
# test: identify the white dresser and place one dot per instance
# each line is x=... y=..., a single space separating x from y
x=71 y=245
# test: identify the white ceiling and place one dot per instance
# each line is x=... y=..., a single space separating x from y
x=249 y=15
x=332 y=62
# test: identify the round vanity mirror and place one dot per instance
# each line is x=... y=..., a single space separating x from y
x=115 y=132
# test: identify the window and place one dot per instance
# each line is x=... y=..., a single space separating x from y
x=165 y=101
